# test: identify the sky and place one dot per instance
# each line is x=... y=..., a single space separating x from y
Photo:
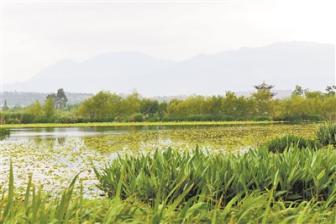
x=35 y=34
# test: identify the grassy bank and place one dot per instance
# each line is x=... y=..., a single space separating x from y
x=133 y=124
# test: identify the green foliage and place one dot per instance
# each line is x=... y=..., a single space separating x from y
x=297 y=186
x=4 y=132
x=36 y=206
x=137 y=117
x=280 y=144
x=99 y=107
x=301 y=106
x=298 y=91
x=263 y=102
x=149 y=107
x=165 y=177
x=49 y=108
x=105 y=106
x=326 y=135
x=35 y=109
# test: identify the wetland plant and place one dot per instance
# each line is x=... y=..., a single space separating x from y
x=280 y=144
x=294 y=176
x=4 y=132
x=182 y=202
x=326 y=134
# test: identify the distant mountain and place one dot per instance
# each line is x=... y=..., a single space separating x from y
x=27 y=98
x=284 y=65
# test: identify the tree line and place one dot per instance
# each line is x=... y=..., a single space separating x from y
x=302 y=105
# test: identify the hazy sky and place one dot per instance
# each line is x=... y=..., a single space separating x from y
x=35 y=34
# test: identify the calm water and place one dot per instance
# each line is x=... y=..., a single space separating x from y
x=138 y=138
x=60 y=132
x=55 y=155
x=31 y=133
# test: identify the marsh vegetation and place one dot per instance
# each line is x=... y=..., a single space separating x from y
x=222 y=173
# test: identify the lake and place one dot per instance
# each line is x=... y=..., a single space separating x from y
x=55 y=155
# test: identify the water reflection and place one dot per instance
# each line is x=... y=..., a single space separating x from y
x=112 y=139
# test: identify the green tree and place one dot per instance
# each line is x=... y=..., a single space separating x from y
x=214 y=105
x=229 y=104
x=61 y=99
x=98 y=107
x=149 y=107
x=298 y=91
x=49 y=107
x=263 y=98
x=35 y=109
x=131 y=104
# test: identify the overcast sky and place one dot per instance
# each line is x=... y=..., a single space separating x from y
x=35 y=34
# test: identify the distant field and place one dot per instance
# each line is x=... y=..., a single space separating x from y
x=121 y=124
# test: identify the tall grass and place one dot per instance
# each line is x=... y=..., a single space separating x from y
x=280 y=144
x=295 y=176
x=191 y=187
x=326 y=135
x=36 y=206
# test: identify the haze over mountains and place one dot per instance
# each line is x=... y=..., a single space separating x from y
x=27 y=98
x=284 y=65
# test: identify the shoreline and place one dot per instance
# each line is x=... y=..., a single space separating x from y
x=138 y=124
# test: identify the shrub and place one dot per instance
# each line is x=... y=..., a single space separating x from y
x=280 y=144
x=4 y=132
x=326 y=135
x=262 y=118
x=136 y=118
x=298 y=118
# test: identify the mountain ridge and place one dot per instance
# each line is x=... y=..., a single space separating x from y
x=283 y=64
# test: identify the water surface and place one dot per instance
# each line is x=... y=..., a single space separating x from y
x=55 y=155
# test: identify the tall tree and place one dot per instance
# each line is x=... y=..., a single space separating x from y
x=149 y=106
x=35 y=109
x=100 y=106
x=49 y=107
x=61 y=99
x=263 y=98
x=298 y=91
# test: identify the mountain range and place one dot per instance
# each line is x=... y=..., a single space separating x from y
x=27 y=98
x=284 y=64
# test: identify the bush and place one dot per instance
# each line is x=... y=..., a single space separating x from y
x=298 y=118
x=326 y=135
x=136 y=118
x=4 y=132
x=153 y=118
x=262 y=118
x=280 y=144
